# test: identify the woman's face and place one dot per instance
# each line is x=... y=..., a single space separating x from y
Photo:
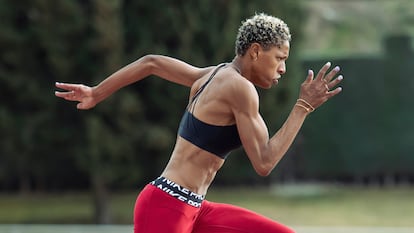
x=270 y=65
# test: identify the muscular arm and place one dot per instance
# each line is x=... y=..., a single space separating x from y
x=264 y=152
x=165 y=67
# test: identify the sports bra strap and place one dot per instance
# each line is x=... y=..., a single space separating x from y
x=205 y=84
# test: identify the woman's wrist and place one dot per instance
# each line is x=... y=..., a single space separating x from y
x=304 y=105
x=98 y=94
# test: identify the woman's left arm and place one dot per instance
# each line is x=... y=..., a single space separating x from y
x=168 y=68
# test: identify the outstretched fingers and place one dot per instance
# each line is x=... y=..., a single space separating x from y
x=67 y=86
x=327 y=79
x=332 y=83
x=322 y=71
x=72 y=91
x=66 y=95
x=77 y=92
x=309 y=78
x=334 y=92
x=317 y=90
x=331 y=74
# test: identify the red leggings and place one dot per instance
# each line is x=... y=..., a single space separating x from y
x=158 y=212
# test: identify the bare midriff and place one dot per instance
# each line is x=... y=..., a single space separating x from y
x=191 y=167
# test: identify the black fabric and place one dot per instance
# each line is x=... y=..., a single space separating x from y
x=178 y=192
x=218 y=140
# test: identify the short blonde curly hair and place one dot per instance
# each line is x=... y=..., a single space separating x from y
x=264 y=29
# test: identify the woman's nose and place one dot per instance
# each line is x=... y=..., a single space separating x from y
x=282 y=68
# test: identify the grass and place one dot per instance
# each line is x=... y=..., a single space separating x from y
x=291 y=205
x=45 y=208
x=66 y=208
x=329 y=206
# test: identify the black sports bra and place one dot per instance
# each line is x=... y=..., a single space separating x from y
x=218 y=140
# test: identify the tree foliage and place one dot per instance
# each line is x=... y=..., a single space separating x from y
x=46 y=144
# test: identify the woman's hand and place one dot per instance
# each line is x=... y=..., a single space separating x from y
x=316 y=91
x=77 y=92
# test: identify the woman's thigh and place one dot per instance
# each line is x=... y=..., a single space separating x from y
x=225 y=218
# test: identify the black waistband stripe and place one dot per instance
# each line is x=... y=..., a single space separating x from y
x=178 y=192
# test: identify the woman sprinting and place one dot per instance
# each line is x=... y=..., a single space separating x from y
x=222 y=114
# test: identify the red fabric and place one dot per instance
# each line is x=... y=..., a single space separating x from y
x=158 y=212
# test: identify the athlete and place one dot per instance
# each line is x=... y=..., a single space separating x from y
x=222 y=114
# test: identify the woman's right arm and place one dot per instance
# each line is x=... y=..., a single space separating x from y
x=264 y=151
x=168 y=68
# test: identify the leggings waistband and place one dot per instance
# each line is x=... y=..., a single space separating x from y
x=178 y=192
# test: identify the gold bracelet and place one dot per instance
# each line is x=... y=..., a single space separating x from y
x=308 y=110
x=306 y=103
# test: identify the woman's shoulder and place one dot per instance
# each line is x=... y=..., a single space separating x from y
x=239 y=85
x=238 y=90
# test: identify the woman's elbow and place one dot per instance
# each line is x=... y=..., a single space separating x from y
x=264 y=169
x=149 y=61
x=263 y=173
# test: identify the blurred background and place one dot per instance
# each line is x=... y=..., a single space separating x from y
x=352 y=163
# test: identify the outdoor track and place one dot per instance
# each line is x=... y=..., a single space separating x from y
x=4 y=228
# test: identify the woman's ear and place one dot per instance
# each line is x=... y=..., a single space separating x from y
x=254 y=51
